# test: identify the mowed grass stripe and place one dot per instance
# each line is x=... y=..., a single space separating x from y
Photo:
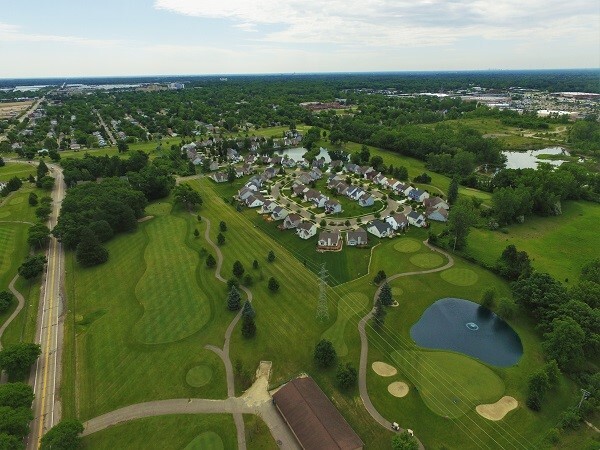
x=174 y=305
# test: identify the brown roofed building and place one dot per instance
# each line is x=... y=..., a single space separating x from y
x=313 y=419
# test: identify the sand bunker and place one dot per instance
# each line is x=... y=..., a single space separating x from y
x=383 y=370
x=398 y=389
x=497 y=411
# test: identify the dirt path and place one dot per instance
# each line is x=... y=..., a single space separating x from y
x=224 y=352
x=364 y=343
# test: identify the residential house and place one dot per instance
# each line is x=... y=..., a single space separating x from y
x=333 y=206
x=357 y=237
x=254 y=183
x=306 y=229
x=250 y=159
x=269 y=173
x=232 y=154
x=352 y=168
x=292 y=221
x=435 y=202
x=329 y=240
x=315 y=197
x=288 y=162
x=366 y=200
x=276 y=160
x=319 y=163
x=214 y=166
x=418 y=195
x=370 y=174
x=246 y=192
x=304 y=178
x=219 y=177
x=337 y=164
x=380 y=228
x=239 y=172
x=380 y=179
x=268 y=207
x=315 y=174
x=299 y=190
x=255 y=200
x=279 y=213
x=398 y=221
x=415 y=218
x=438 y=214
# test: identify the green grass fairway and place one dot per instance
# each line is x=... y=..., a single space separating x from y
x=459 y=277
x=407 y=245
x=209 y=440
x=397 y=292
x=427 y=260
x=193 y=431
x=352 y=303
x=11 y=170
x=199 y=376
x=558 y=245
x=175 y=307
x=465 y=382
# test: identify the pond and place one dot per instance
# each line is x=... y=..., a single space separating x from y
x=466 y=327
x=530 y=160
x=297 y=153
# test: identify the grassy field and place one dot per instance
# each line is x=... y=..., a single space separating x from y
x=189 y=432
x=148 y=147
x=16 y=170
x=106 y=364
x=258 y=436
x=559 y=245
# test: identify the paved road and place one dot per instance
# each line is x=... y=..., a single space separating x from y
x=111 y=138
x=364 y=342
x=224 y=352
x=45 y=375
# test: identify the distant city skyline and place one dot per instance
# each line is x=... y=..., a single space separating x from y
x=66 y=38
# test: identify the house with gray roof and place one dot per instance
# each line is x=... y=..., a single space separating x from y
x=357 y=238
x=380 y=228
x=416 y=218
x=329 y=240
x=306 y=229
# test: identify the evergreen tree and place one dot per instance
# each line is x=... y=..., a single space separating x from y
x=42 y=170
x=211 y=261
x=273 y=284
x=248 y=310
x=255 y=264
x=222 y=226
x=379 y=314
x=233 y=299
x=385 y=295
x=238 y=269
x=271 y=256
x=220 y=239
x=248 y=327
x=453 y=191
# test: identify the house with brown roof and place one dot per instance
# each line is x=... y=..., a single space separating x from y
x=398 y=221
x=329 y=240
x=306 y=229
x=435 y=202
x=312 y=417
x=292 y=221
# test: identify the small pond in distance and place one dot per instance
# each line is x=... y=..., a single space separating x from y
x=466 y=327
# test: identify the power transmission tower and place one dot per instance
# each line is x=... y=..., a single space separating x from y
x=322 y=306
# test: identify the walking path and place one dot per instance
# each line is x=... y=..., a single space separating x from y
x=364 y=343
x=21 y=303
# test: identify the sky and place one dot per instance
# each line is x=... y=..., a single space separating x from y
x=62 y=38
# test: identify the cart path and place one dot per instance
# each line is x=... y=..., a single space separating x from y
x=224 y=352
x=21 y=303
x=364 y=343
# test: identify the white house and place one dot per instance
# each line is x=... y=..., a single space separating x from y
x=306 y=229
x=254 y=201
x=357 y=237
x=366 y=200
x=329 y=240
x=333 y=206
x=219 y=177
x=435 y=202
x=397 y=221
x=268 y=207
x=380 y=228
x=415 y=218
x=292 y=221
x=279 y=213
x=418 y=195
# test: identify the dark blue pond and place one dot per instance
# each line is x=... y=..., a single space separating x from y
x=466 y=327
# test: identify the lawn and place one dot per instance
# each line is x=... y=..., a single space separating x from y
x=189 y=432
x=559 y=245
x=106 y=366
x=11 y=170
x=148 y=147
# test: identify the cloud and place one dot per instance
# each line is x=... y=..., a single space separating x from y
x=390 y=23
x=13 y=33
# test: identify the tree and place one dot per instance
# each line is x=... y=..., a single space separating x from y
x=404 y=441
x=255 y=264
x=42 y=170
x=248 y=327
x=233 y=299
x=220 y=239
x=379 y=314
x=10 y=442
x=211 y=261
x=16 y=395
x=273 y=284
x=385 y=295
x=122 y=146
x=513 y=264
x=488 y=297
x=248 y=310
x=346 y=376
x=539 y=294
x=325 y=354
x=402 y=173
x=38 y=236
x=18 y=358
x=42 y=212
x=89 y=251
x=186 y=196
x=506 y=308
x=15 y=421
x=32 y=266
x=271 y=256
x=6 y=299
x=33 y=199
x=63 y=436
x=537 y=386
x=462 y=218
x=564 y=343
x=238 y=269
x=196 y=233
x=248 y=280
x=222 y=226
x=379 y=277
x=453 y=191
x=591 y=271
